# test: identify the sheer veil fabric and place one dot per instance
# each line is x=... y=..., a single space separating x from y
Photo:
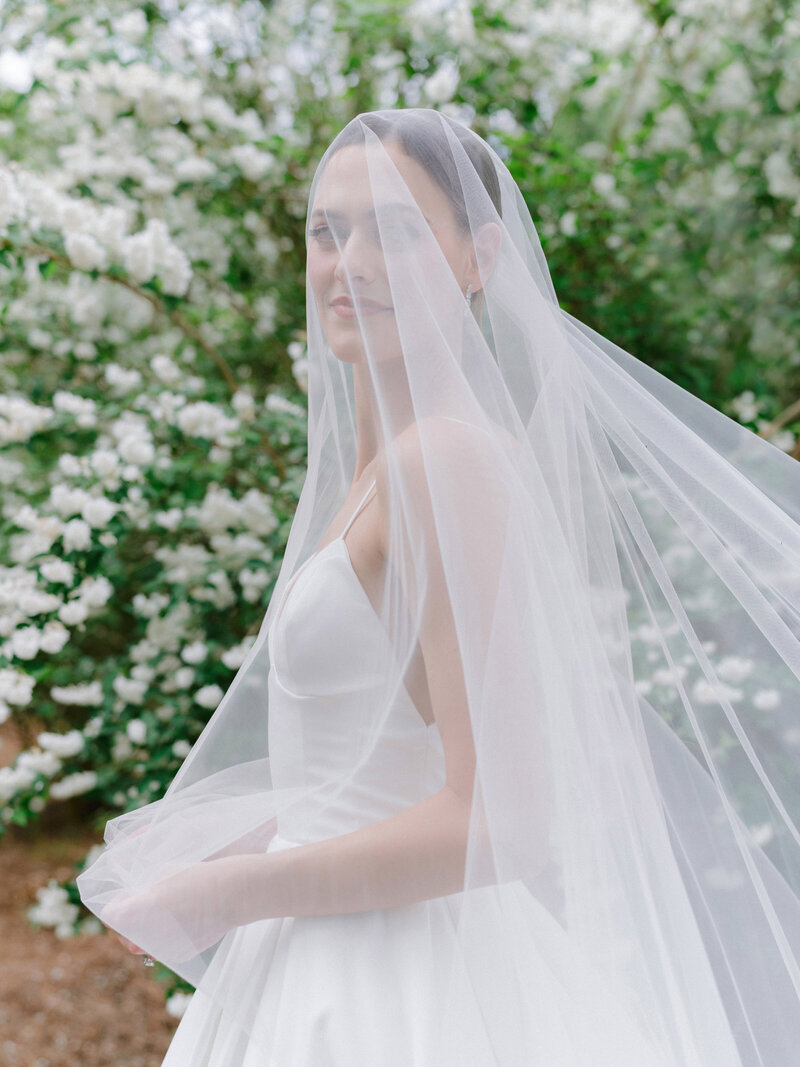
x=584 y=589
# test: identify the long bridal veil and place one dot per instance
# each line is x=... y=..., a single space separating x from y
x=617 y=567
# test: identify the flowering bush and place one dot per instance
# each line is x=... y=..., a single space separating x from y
x=154 y=172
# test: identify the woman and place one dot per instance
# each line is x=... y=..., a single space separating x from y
x=507 y=778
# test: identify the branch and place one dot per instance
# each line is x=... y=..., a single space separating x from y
x=174 y=315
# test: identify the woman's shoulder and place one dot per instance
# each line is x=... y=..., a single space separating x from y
x=450 y=440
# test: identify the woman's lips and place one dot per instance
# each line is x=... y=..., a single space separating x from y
x=345 y=309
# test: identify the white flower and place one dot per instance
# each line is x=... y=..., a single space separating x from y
x=203 y=419
x=25 y=642
x=251 y=161
x=132 y=25
x=54 y=637
x=137 y=449
x=781 y=178
x=604 y=183
x=73 y=785
x=57 y=571
x=85 y=694
x=184 y=677
x=706 y=693
x=76 y=535
x=84 y=252
x=169 y=519
x=15 y=70
x=175 y=271
x=194 y=169
x=97 y=511
x=440 y=87
x=568 y=223
x=763 y=833
x=96 y=592
x=732 y=89
x=121 y=749
x=177 y=1004
x=766 y=699
x=735 y=668
x=779 y=242
x=208 y=696
x=37 y=762
x=73 y=613
x=166 y=370
x=138 y=256
x=129 y=689
x=61 y=745
x=252 y=583
x=785 y=440
x=243 y=403
x=53 y=908
x=746 y=407
x=460 y=24
x=12 y=204
x=672 y=131
x=15 y=687
x=181 y=749
x=13 y=780
x=20 y=420
x=234 y=657
x=143 y=672
x=121 y=378
x=219 y=511
x=149 y=607
x=136 y=731
x=93 y=727
x=300 y=372
x=69 y=466
x=67 y=500
x=668 y=676
x=83 y=408
x=195 y=652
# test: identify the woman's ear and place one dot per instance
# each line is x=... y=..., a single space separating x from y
x=483 y=257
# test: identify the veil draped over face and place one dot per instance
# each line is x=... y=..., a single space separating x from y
x=580 y=697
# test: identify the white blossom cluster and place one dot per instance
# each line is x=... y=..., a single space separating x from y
x=93 y=236
x=53 y=908
x=19 y=418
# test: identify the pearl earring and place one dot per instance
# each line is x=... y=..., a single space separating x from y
x=468 y=295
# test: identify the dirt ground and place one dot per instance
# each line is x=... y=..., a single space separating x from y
x=77 y=1002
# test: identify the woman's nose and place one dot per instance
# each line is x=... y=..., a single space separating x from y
x=356 y=259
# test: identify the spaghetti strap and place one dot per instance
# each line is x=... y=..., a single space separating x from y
x=307 y=562
x=358 y=509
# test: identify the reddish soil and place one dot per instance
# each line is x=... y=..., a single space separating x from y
x=78 y=1002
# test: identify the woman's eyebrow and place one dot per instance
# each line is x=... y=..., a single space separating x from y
x=396 y=206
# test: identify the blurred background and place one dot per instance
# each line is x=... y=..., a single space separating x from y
x=155 y=161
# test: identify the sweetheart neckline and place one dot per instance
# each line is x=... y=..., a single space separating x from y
x=351 y=569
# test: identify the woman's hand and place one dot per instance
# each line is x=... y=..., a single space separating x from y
x=190 y=910
x=129 y=945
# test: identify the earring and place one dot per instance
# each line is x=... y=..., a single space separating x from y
x=468 y=295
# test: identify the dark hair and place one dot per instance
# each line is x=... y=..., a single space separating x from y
x=421 y=136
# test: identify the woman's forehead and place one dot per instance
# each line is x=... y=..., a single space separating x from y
x=360 y=180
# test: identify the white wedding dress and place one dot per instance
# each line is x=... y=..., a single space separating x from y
x=386 y=988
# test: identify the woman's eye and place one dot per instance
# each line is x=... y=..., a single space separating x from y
x=400 y=231
x=322 y=235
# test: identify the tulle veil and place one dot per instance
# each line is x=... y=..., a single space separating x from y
x=601 y=576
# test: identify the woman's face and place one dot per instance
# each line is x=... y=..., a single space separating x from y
x=346 y=259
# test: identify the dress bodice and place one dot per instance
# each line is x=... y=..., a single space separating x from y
x=357 y=755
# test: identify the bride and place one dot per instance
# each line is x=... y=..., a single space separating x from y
x=487 y=789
